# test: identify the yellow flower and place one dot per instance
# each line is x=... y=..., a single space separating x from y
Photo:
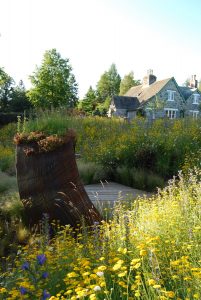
x=102 y=258
x=118 y=265
x=92 y=297
x=143 y=252
x=72 y=275
x=170 y=294
x=137 y=294
x=85 y=274
x=157 y=286
x=137 y=266
x=102 y=268
x=135 y=261
x=68 y=292
x=151 y=281
x=122 y=274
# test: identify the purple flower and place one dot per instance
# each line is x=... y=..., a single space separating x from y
x=45 y=295
x=45 y=275
x=96 y=223
x=41 y=259
x=25 y=266
x=23 y=290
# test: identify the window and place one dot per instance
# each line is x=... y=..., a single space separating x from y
x=194 y=113
x=171 y=113
x=171 y=95
x=196 y=98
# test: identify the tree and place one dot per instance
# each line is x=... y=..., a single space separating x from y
x=155 y=105
x=6 y=88
x=127 y=82
x=19 y=100
x=199 y=86
x=187 y=82
x=88 y=104
x=109 y=84
x=53 y=83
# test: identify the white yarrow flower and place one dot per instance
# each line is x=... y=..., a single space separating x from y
x=97 y=288
x=100 y=274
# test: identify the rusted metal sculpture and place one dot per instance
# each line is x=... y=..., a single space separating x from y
x=49 y=181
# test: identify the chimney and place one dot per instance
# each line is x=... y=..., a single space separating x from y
x=149 y=78
x=193 y=82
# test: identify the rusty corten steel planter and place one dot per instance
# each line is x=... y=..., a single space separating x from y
x=49 y=183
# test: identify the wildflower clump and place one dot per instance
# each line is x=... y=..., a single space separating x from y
x=149 y=249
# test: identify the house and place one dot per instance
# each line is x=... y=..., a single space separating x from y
x=192 y=98
x=122 y=106
x=158 y=99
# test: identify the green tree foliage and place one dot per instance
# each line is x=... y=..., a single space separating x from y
x=199 y=86
x=109 y=84
x=53 y=82
x=88 y=104
x=127 y=82
x=20 y=101
x=102 y=108
x=6 y=88
x=187 y=82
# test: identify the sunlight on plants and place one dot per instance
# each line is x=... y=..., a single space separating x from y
x=148 y=249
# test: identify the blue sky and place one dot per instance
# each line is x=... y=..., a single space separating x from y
x=136 y=35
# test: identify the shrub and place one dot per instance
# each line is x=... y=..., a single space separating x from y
x=7 y=158
x=139 y=178
x=91 y=172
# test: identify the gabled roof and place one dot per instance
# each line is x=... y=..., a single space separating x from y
x=124 y=102
x=144 y=93
x=187 y=92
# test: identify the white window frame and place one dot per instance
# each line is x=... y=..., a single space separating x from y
x=196 y=98
x=171 y=94
x=171 y=113
x=194 y=113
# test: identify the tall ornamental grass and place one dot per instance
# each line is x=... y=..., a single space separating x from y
x=149 y=249
x=163 y=147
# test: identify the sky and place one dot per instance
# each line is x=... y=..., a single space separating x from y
x=135 y=35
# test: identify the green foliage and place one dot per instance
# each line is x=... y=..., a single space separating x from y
x=109 y=84
x=139 y=178
x=7 y=182
x=148 y=250
x=88 y=103
x=161 y=147
x=128 y=82
x=53 y=82
x=19 y=102
x=7 y=150
x=91 y=173
x=199 y=86
x=7 y=158
x=6 y=88
x=103 y=107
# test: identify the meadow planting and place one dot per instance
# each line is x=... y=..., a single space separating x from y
x=147 y=249
x=140 y=154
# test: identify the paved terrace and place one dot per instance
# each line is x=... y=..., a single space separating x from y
x=110 y=192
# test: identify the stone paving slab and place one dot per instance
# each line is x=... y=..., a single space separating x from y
x=112 y=191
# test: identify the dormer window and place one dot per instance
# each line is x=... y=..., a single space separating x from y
x=171 y=95
x=196 y=98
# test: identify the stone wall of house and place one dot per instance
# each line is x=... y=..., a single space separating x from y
x=162 y=96
x=120 y=113
x=190 y=106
